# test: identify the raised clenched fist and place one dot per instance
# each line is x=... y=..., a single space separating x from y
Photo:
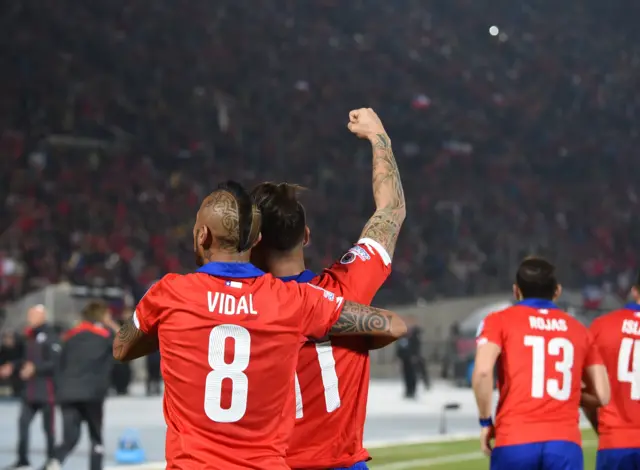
x=365 y=123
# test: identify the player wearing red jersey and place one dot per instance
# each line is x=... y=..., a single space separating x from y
x=332 y=379
x=542 y=354
x=617 y=335
x=229 y=336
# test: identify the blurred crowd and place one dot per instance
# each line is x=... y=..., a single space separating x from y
x=118 y=117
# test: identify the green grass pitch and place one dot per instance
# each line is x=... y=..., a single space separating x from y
x=456 y=455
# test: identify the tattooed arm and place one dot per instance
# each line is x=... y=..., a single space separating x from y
x=130 y=343
x=384 y=225
x=357 y=319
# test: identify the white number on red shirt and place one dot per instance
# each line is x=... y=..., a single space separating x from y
x=556 y=347
x=329 y=378
x=233 y=371
x=629 y=355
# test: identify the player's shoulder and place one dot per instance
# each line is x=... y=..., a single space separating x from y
x=368 y=248
x=274 y=286
x=365 y=250
x=168 y=280
x=327 y=281
x=500 y=313
x=613 y=317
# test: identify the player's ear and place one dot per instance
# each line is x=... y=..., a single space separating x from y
x=204 y=237
x=257 y=240
x=307 y=236
x=558 y=292
x=516 y=293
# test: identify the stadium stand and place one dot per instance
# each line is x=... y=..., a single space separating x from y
x=116 y=117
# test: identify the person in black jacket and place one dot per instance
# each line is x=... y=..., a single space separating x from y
x=37 y=369
x=85 y=375
x=409 y=351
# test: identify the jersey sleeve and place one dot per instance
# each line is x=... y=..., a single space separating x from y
x=362 y=270
x=593 y=358
x=146 y=316
x=490 y=331
x=320 y=310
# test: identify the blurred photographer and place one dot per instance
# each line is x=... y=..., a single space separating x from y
x=36 y=368
x=85 y=371
x=409 y=352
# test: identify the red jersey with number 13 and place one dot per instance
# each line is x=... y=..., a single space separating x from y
x=543 y=355
x=229 y=348
x=617 y=335
x=332 y=377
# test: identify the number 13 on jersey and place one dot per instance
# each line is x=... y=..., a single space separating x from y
x=561 y=348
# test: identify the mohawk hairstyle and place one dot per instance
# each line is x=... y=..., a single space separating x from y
x=238 y=223
x=536 y=278
x=283 y=217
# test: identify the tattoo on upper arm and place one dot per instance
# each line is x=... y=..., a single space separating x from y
x=384 y=225
x=357 y=319
x=127 y=334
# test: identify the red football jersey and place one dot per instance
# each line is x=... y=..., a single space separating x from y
x=617 y=336
x=229 y=351
x=544 y=352
x=332 y=378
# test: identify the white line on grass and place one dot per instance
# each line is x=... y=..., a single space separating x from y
x=453 y=458
x=431 y=439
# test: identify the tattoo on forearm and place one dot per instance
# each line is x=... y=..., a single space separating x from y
x=358 y=319
x=384 y=225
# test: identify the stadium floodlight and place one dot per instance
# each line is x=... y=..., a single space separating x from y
x=443 y=415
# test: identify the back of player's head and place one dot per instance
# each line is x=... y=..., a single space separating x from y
x=536 y=278
x=94 y=311
x=242 y=222
x=283 y=217
x=227 y=218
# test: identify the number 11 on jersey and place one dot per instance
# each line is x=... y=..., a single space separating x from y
x=329 y=378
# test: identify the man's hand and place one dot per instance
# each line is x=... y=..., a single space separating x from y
x=486 y=436
x=28 y=370
x=384 y=225
x=366 y=124
x=6 y=370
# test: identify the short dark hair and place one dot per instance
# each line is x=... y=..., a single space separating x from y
x=283 y=216
x=94 y=310
x=638 y=281
x=536 y=278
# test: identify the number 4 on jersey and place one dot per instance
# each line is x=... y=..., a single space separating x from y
x=630 y=348
x=556 y=347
